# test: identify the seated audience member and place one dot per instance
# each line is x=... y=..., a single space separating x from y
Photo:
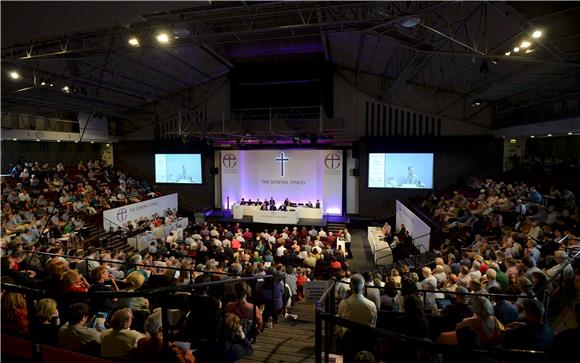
x=150 y=348
x=237 y=345
x=483 y=323
x=243 y=309
x=413 y=323
x=117 y=342
x=504 y=311
x=486 y=327
x=203 y=316
x=133 y=282
x=14 y=313
x=75 y=335
x=457 y=311
x=531 y=333
x=48 y=320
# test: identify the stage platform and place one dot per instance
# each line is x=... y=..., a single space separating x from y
x=226 y=217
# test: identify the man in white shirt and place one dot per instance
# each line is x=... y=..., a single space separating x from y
x=357 y=308
x=562 y=274
x=280 y=250
x=322 y=233
x=427 y=277
x=117 y=343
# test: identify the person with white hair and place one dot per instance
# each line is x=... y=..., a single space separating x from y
x=150 y=348
x=483 y=322
x=427 y=277
x=357 y=308
x=562 y=274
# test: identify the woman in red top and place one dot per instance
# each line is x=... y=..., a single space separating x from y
x=73 y=281
x=242 y=308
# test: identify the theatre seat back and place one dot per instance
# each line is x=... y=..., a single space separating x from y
x=18 y=349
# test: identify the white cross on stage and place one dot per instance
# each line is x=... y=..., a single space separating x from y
x=282 y=159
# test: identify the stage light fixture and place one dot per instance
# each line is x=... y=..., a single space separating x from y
x=525 y=44
x=66 y=89
x=108 y=145
x=476 y=103
x=494 y=61
x=536 y=34
x=92 y=142
x=14 y=75
x=533 y=136
x=14 y=139
x=134 y=42
x=516 y=49
x=569 y=133
x=162 y=38
x=410 y=22
x=528 y=51
x=513 y=141
x=51 y=85
x=43 y=83
x=57 y=140
x=549 y=135
x=508 y=53
x=37 y=140
x=76 y=141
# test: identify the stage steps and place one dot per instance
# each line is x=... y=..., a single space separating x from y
x=334 y=227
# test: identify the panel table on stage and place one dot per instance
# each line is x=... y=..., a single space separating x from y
x=276 y=217
x=308 y=213
x=239 y=211
x=383 y=255
x=141 y=241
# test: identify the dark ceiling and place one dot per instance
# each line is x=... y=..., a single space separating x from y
x=457 y=48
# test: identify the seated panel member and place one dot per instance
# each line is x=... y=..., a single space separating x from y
x=250 y=201
x=283 y=207
x=317 y=205
x=308 y=205
x=242 y=202
x=272 y=206
x=286 y=202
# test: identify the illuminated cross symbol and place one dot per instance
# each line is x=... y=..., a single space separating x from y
x=230 y=160
x=332 y=159
x=282 y=159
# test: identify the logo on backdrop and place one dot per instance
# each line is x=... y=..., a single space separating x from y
x=282 y=159
x=121 y=215
x=332 y=161
x=230 y=161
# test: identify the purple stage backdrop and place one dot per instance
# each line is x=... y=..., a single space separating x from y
x=300 y=175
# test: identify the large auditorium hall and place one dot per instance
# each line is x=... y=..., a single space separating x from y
x=290 y=181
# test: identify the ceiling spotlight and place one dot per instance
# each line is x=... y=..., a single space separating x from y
x=57 y=140
x=549 y=135
x=37 y=140
x=14 y=75
x=476 y=103
x=569 y=133
x=536 y=34
x=14 y=139
x=528 y=51
x=76 y=141
x=108 y=145
x=43 y=83
x=525 y=44
x=66 y=89
x=162 y=38
x=508 y=53
x=51 y=85
x=513 y=141
x=532 y=136
x=410 y=22
x=92 y=142
x=134 y=42
x=516 y=49
x=494 y=61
